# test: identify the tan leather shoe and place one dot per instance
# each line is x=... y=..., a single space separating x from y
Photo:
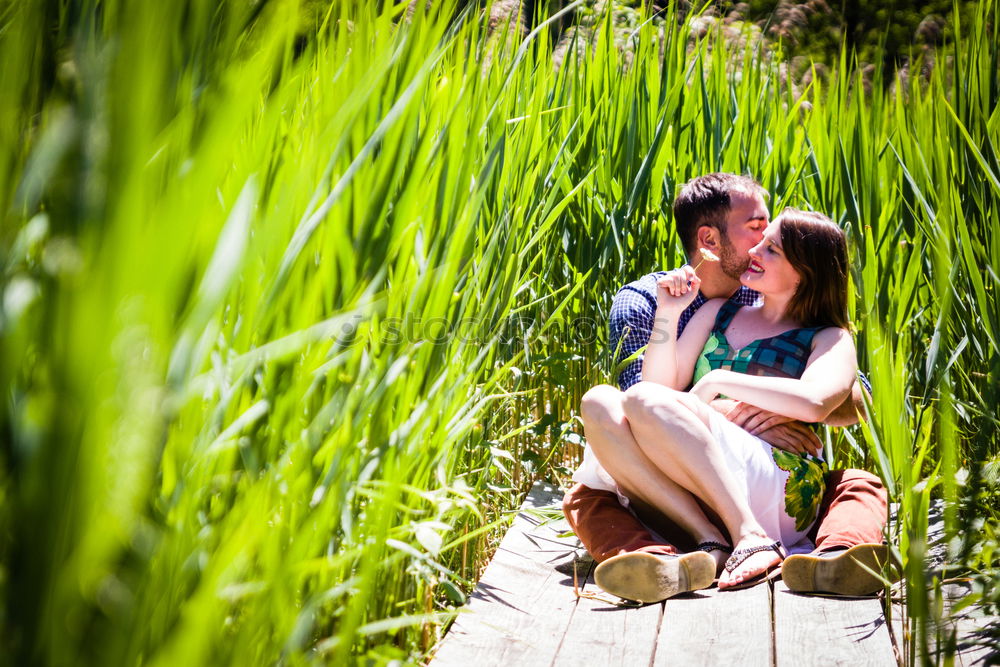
x=646 y=577
x=841 y=572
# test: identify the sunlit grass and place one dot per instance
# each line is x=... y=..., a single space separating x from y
x=288 y=324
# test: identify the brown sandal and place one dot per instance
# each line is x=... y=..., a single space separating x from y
x=708 y=547
x=740 y=555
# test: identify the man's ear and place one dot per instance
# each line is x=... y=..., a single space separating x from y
x=709 y=238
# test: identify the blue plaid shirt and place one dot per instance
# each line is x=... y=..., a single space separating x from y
x=631 y=320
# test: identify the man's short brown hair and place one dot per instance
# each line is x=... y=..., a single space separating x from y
x=706 y=201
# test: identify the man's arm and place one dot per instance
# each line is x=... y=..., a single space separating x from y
x=846 y=414
x=630 y=322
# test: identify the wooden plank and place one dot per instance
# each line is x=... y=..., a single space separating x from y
x=521 y=608
x=602 y=633
x=967 y=651
x=969 y=647
x=524 y=612
x=967 y=624
x=812 y=629
x=711 y=628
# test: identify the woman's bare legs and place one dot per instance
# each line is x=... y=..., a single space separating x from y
x=671 y=429
x=609 y=435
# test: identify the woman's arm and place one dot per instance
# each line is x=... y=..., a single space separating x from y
x=756 y=420
x=826 y=382
x=672 y=362
x=668 y=360
x=660 y=362
x=674 y=292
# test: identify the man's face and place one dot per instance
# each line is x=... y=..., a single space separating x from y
x=744 y=229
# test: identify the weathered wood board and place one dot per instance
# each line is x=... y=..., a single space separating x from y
x=961 y=635
x=522 y=606
x=710 y=628
x=602 y=633
x=525 y=612
x=817 y=630
x=962 y=630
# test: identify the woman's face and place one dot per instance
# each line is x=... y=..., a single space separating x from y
x=770 y=272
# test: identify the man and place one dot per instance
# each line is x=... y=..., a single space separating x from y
x=725 y=215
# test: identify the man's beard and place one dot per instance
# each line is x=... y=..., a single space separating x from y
x=731 y=263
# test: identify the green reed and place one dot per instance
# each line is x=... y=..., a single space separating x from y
x=297 y=298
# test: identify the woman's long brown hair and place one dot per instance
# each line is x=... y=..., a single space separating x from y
x=817 y=249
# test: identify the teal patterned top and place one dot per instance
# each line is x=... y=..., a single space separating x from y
x=784 y=355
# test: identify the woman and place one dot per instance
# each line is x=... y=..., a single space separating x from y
x=792 y=354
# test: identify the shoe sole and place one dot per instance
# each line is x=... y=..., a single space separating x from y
x=645 y=577
x=842 y=574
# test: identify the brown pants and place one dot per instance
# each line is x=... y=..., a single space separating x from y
x=853 y=512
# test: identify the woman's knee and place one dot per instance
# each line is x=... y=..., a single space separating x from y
x=647 y=400
x=692 y=403
x=601 y=408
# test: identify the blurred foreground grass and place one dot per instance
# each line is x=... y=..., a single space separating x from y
x=295 y=303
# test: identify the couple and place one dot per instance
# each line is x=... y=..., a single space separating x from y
x=727 y=471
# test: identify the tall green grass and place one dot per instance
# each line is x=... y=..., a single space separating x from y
x=297 y=298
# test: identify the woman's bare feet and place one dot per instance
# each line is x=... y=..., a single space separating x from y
x=754 y=555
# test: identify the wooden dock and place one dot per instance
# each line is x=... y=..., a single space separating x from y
x=525 y=611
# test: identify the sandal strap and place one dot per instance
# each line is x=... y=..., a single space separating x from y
x=741 y=555
x=714 y=546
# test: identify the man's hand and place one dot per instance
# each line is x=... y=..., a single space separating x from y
x=755 y=420
x=777 y=430
x=794 y=437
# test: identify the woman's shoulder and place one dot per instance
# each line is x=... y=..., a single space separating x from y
x=829 y=337
x=715 y=303
x=833 y=333
x=709 y=309
x=702 y=320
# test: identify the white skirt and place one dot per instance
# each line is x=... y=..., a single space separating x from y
x=751 y=462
